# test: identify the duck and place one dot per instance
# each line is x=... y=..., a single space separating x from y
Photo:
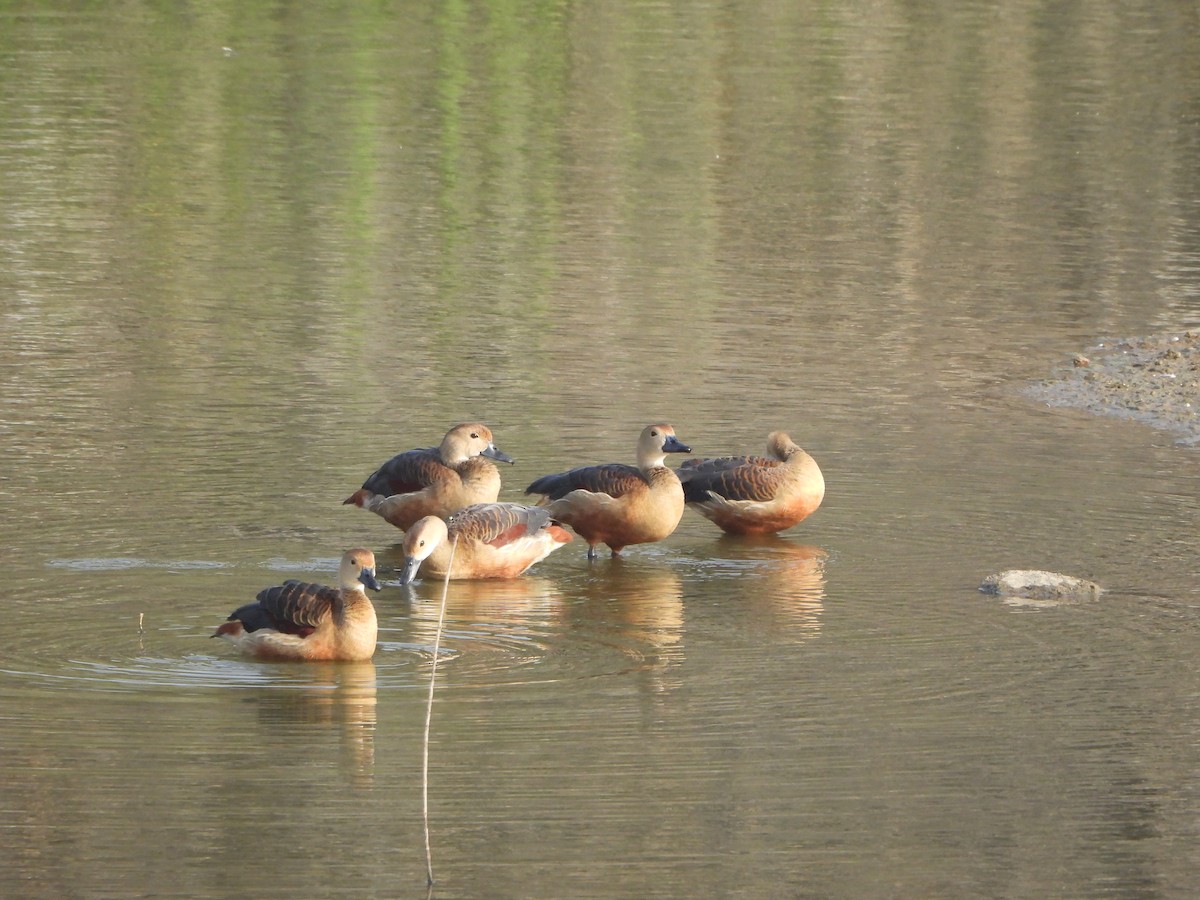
x=494 y=540
x=308 y=622
x=618 y=504
x=754 y=494
x=435 y=481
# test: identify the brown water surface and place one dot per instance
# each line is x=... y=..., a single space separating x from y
x=248 y=251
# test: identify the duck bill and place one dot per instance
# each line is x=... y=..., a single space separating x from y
x=409 y=571
x=674 y=445
x=497 y=454
x=368 y=579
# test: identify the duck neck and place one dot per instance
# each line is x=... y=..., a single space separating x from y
x=650 y=461
x=351 y=603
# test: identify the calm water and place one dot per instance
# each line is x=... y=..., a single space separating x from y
x=248 y=251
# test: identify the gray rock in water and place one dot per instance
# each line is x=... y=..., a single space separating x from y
x=1035 y=585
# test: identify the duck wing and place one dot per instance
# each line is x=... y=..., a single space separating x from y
x=614 y=479
x=720 y=463
x=734 y=478
x=294 y=607
x=406 y=472
x=498 y=523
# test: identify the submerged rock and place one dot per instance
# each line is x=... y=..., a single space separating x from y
x=1032 y=584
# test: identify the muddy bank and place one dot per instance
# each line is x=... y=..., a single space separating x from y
x=1154 y=380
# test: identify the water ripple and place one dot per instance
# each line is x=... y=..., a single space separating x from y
x=120 y=563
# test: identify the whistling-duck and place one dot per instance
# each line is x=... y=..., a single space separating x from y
x=753 y=494
x=495 y=540
x=435 y=481
x=301 y=621
x=618 y=504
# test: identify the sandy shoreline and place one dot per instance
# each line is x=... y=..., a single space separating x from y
x=1154 y=380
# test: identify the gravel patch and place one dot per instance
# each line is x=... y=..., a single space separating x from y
x=1153 y=380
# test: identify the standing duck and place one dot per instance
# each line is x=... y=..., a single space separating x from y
x=494 y=540
x=434 y=481
x=753 y=494
x=617 y=504
x=301 y=621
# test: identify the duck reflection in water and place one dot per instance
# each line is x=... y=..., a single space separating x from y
x=785 y=588
x=340 y=696
x=521 y=609
x=643 y=604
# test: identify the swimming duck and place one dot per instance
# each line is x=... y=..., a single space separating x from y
x=753 y=494
x=617 y=504
x=495 y=540
x=434 y=481
x=301 y=621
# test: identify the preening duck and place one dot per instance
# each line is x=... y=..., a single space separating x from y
x=755 y=494
x=618 y=504
x=435 y=481
x=301 y=621
x=494 y=540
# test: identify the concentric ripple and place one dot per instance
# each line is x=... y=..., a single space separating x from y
x=126 y=623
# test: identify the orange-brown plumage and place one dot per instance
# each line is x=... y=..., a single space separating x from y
x=303 y=621
x=617 y=504
x=489 y=540
x=434 y=481
x=753 y=494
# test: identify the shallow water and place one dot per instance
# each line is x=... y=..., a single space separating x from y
x=252 y=251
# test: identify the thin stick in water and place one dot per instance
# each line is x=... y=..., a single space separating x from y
x=437 y=643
